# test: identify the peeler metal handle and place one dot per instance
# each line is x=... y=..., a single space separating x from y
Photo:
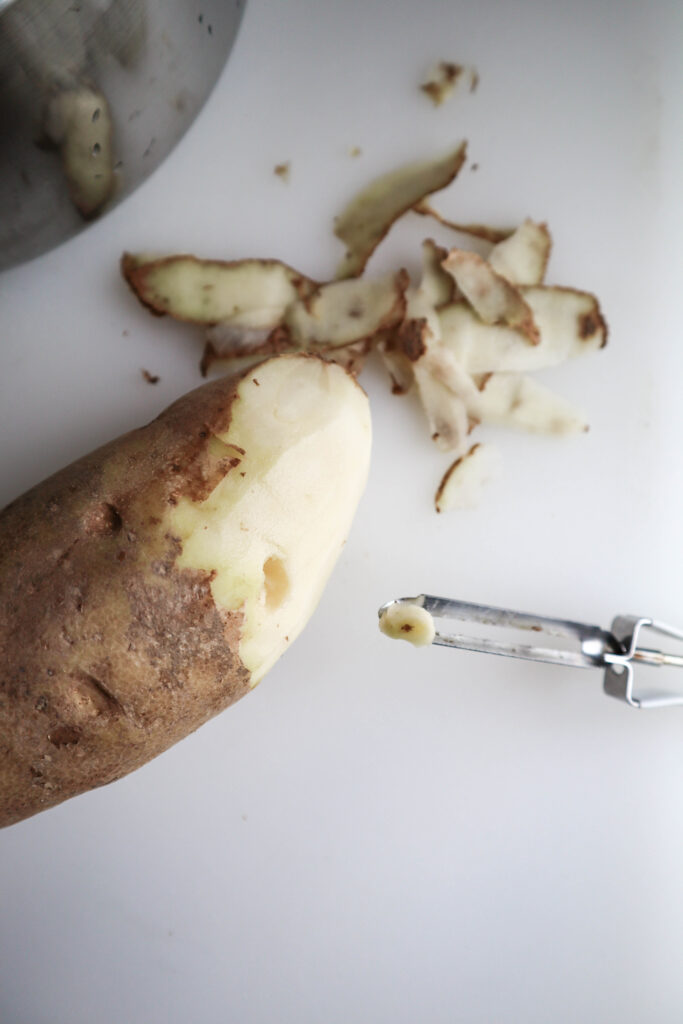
x=560 y=642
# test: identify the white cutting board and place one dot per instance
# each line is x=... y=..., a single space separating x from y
x=377 y=833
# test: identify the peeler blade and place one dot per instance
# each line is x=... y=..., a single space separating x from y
x=501 y=631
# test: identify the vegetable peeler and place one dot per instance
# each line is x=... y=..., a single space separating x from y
x=559 y=642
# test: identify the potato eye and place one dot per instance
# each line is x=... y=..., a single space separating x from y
x=276 y=581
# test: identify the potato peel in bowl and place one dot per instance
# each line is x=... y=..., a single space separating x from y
x=463 y=338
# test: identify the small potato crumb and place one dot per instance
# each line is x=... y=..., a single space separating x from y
x=408 y=622
x=355 y=151
x=445 y=78
x=283 y=170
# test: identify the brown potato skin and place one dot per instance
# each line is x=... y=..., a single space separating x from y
x=109 y=653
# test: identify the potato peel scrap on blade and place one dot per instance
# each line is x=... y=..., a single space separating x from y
x=463 y=339
x=408 y=622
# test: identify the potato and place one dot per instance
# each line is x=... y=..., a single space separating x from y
x=149 y=585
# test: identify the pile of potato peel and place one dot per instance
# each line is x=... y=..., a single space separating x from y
x=464 y=337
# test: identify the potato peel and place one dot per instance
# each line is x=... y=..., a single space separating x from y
x=447 y=393
x=437 y=286
x=446 y=412
x=463 y=338
x=397 y=366
x=411 y=354
x=522 y=257
x=483 y=231
x=490 y=295
x=351 y=357
x=569 y=321
x=231 y=349
x=250 y=293
x=462 y=483
x=371 y=213
x=515 y=400
x=401 y=347
x=344 y=312
x=338 y=315
x=231 y=341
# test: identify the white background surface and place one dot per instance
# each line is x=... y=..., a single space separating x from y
x=377 y=833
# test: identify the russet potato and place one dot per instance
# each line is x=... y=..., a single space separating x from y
x=149 y=585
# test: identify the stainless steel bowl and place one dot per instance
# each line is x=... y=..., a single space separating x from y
x=93 y=95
